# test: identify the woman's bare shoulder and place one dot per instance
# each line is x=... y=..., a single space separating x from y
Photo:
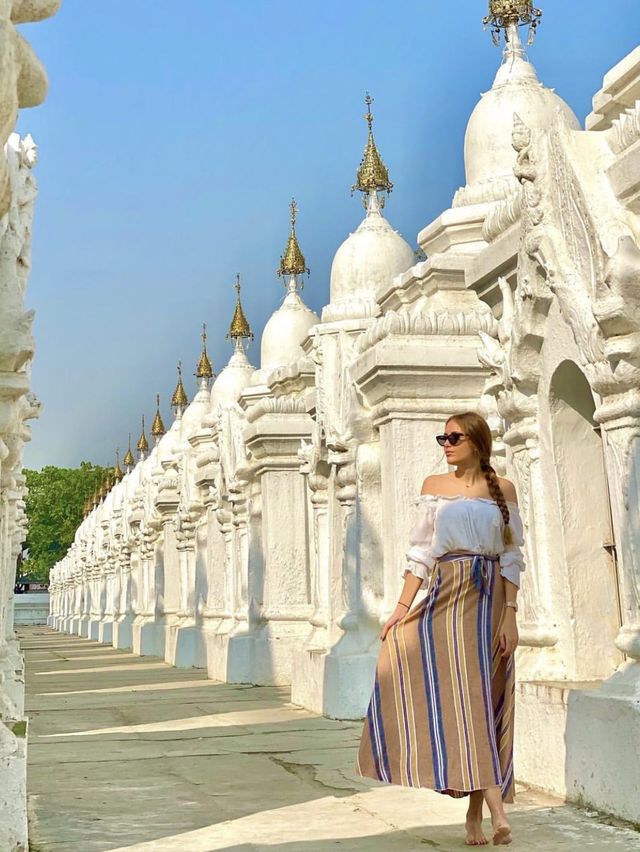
x=435 y=484
x=508 y=489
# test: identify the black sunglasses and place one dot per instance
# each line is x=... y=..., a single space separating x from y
x=453 y=438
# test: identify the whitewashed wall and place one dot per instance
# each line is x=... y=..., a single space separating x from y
x=23 y=83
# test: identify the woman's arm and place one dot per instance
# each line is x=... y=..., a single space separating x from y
x=419 y=562
x=509 y=629
x=409 y=591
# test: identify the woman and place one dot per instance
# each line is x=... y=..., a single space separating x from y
x=441 y=711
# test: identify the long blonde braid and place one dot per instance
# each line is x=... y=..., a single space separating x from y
x=496 y=492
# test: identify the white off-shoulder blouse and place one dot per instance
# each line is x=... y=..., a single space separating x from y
x=451 y=523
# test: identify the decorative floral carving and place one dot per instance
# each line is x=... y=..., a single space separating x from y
x=492 y=189
x=170 y=479
x=432 y=322
x=354 y=308
x=616 y=307
x=561 y=237
x=502 y=215
x=275 y=405
x=625 y=129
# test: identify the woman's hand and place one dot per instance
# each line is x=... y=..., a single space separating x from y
x=397 y=615
x=508 y=632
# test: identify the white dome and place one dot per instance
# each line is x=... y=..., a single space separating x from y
x=149 y=461
x=285 y=331
x=195 y=411
x=488 y=152
x=232 y=380
x=169 y=444
x=369 y=259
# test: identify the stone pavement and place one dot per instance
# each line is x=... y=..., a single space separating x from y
x=127 y=753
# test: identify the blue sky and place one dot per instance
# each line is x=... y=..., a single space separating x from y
x=175 y=135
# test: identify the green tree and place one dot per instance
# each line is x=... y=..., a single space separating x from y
x=55 y=505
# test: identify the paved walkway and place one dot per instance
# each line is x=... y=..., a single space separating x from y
x=127 y=753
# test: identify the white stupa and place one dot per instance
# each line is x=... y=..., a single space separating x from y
x=237 y=374
x=195 y=412
x=370 y=257
x=488 y=152
x=287 y=327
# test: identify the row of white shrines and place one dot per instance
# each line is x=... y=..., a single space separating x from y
x=263 y=536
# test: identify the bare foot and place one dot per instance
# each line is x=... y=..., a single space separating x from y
x=502 y=834
x=475 y=835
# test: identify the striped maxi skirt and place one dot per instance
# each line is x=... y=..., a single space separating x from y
x=442 y=707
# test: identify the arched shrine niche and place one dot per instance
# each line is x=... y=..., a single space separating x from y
x=584 y=505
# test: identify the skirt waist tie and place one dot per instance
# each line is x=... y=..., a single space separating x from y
x=479 y=567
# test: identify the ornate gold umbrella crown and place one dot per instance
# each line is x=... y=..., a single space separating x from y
x=373 y=175
x=292 y=261
x=507 y=13
x=117 y=470
x=204 y=370
x=179 y=398
x=129 y=460
x=157 y=427
x=239 y=327
x=106 y=486
x=143 y=445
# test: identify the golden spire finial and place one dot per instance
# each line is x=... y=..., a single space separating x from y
x=239 y=327
x=179 y=400
x=369 y=116
x=129 y=460
x=292 y=261
x=143 y=445
x=117 y=470
x=157 y=427
x=373 y=175
x=107 y=483
x=204 y=370
x=504 y=14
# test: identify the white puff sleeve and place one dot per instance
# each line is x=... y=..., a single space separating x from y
x=419 y=559
x=512 y=558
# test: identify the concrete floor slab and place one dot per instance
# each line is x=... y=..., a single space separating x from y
x=130 y=755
